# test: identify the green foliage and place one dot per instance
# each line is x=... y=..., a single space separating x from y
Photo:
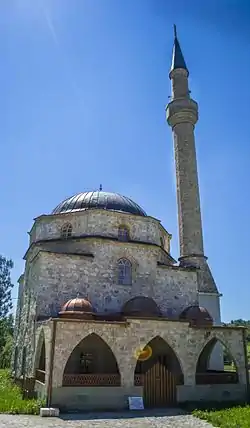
x=244 y=323
x=6 y=341
x=6 y=320
x=235 y=417
x=6 y=352
x=5 y=287
x=11 y=400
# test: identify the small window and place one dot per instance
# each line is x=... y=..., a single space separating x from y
x=66 y=231
x=124 y=272
x=86 y=363
x=162 y=242
x=123 y=234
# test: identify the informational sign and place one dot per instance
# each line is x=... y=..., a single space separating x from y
x=135 y=403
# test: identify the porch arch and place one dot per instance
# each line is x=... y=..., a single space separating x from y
x=40 y=358
x=91 y=363
x=204 y=375
x=159 y=350
x=159 y=372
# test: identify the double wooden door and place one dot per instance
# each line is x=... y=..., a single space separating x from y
x=159 y=388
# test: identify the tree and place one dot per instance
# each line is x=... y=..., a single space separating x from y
x=244 y=323
x=5 y=287
x=6 y=319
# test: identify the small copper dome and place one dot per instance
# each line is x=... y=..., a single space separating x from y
x=77 y=307
x=141 y=306
x=196 y=315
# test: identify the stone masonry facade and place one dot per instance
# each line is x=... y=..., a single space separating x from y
x=86 y=264
x=125 y=338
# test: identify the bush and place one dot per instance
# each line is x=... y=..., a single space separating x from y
x=6 y=352
x=235 y=417
x=11 y=400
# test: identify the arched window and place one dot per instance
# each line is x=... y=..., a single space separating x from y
x=124 y=272
x=66 y=231
x=162 y=242
x=123 y=233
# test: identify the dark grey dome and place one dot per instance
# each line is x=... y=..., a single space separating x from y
x=99 y=200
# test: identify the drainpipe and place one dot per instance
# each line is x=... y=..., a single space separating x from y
x=51 y=365
x=246 y=363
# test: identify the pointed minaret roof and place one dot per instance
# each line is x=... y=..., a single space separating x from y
x=177 y=58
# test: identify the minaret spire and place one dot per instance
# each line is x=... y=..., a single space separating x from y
x=175 y=32
x=177 y=56
x=182 y=115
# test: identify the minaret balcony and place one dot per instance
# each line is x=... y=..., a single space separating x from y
x=181 y=110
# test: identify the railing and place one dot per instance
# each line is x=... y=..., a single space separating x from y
x=40 y=375
x=91 y=380
x=213 y=378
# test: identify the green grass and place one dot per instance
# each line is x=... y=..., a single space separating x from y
x=235 y=417
x=11 y=400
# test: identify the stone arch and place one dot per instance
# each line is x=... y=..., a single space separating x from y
x=92 y=356
x=15 y=365
x=74 y=340
x=158 y=350
x=205 y=375
x=40 y=358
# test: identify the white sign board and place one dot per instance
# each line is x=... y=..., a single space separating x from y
x=135 y=403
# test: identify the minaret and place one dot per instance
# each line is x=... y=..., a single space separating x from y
x=182 y=115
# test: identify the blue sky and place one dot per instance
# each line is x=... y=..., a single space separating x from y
x=83 y=89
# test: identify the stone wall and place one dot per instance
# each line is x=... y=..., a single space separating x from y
x=93 y=398
x=212 y=393
x=125 y=339
x=100 y=222
x=61 y=277
x=26 y=325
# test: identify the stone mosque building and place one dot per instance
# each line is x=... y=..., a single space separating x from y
x=105 y=312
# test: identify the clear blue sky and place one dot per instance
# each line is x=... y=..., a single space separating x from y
x=83 y=88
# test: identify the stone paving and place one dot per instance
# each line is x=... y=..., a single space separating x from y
x=172 y=418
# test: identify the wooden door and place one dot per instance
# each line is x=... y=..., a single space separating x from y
x=159 y=387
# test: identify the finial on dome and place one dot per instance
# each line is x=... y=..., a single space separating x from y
x=100 y=188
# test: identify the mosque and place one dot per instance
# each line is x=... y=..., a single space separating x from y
x=106 y=313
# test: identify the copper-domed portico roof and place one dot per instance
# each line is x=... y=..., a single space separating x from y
x=141 y=306
x=196 y=315
x=76 y=307
x=99 y=200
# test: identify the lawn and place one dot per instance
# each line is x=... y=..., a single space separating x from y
x=234 y=417
x=11 y=400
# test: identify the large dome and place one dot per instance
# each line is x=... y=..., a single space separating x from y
x=99 y=199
